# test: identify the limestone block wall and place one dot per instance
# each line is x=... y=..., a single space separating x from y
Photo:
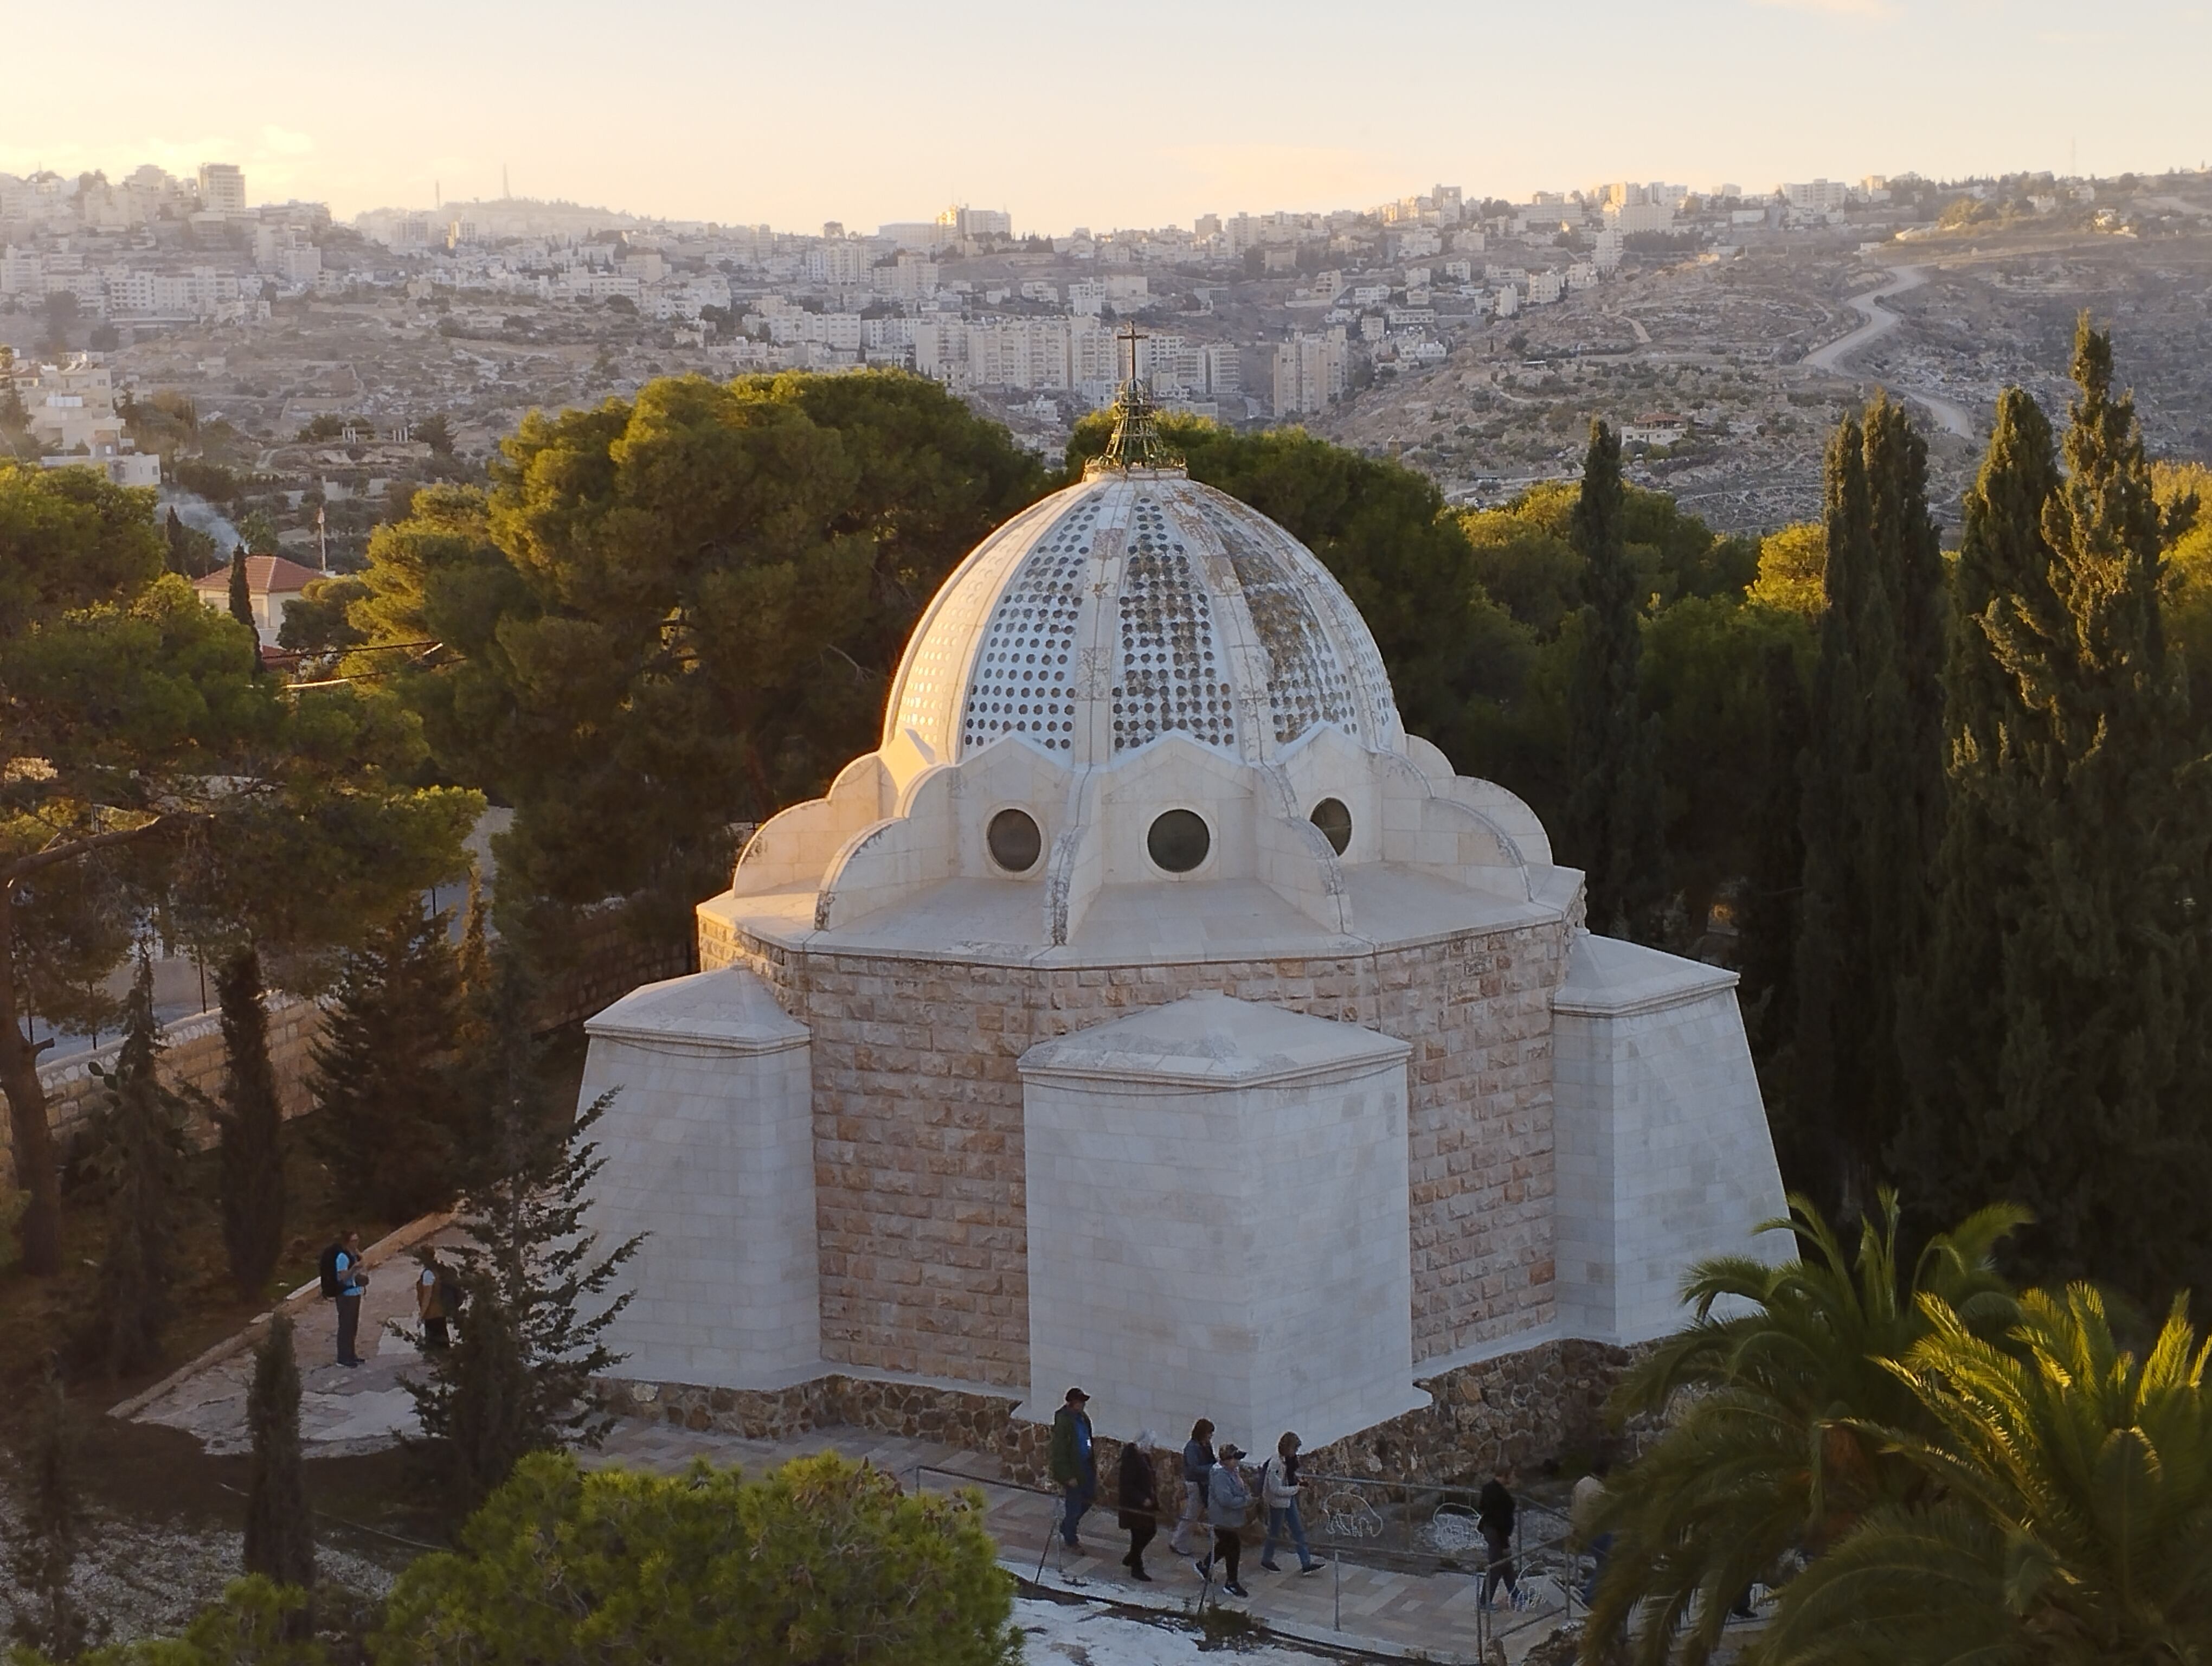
x=192 y=1057
x=920 y=1177
x=708 y=1153
x=1664 y=1156
x=1219 y=1196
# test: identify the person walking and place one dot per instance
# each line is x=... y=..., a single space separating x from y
x=353 y=1285
x=1494 y=1519
x=1074 y=1467
x=1138 y=1495
x=1197 y=1465
x=1585 y=1510
x=1279 y=1492
x=1228 y=1500
x=431 y=1286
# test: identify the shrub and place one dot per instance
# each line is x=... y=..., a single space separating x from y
x=825 y=1561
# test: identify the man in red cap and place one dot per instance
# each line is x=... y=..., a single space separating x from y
x=1074 y=1470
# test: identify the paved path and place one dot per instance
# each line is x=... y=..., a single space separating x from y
x=1880 y=321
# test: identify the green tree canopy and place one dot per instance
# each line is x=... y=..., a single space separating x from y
x=821 y=1562
x=682 y=612
x=142 y=747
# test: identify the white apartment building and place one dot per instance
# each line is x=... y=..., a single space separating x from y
x=840 y=265
x=1309 y=371
x=1631 y=218
x=1546 y=286
x=74 y=422
x=222 y=188
x=913 y=277
x=22 y=272
x=1817 y=196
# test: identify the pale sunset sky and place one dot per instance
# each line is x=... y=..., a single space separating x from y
x=871 y=110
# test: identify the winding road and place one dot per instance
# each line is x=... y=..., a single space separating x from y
x=1880 y=321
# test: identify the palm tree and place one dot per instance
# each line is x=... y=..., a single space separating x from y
x=2066 y=1514
x=1770 y=1390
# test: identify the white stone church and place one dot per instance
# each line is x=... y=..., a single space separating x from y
x=1150 y=1011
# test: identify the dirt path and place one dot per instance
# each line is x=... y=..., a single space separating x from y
x=1880 y=321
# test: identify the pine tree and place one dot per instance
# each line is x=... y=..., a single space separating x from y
x=241 y=593
x=280 y=1537
x=251 y=1119
x=385 y=1069
x=1955 y=1151
x=2096 y=827
x=537 y=1285
x=1872 y=804
x=43 y=1537
x=1615 y=811
x=140 y=1158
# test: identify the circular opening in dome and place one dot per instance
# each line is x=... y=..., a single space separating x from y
x=1014 y=840
x=1179 y=839
x=1334 y=820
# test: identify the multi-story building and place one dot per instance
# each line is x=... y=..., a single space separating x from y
x=75 y=423
x=1309 y=371
x=222 y=188
x=1817 y=196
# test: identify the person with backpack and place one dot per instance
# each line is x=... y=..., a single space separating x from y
x=1197 y=1465
x=433 y=1305
x=345 y=1281
x=1279 y=1492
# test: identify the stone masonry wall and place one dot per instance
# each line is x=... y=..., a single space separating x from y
x=192 y=1057
x=918 y=1128
x=1519 y=1408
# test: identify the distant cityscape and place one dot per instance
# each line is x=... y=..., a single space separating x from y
x=1459 y=333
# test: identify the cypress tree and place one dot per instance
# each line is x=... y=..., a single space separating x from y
x=251 y=1119
x=140 y=1159
x=43 y=1539
x=2096 y=871
x=1771 y=901
x=280 y=1537
x=241 y=593
x=1615 y=810
x=1955 y=1151
x=173 y=531
x=1872 y=804
x=384 y=1065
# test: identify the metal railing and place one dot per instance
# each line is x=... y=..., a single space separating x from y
x=1364 y=1523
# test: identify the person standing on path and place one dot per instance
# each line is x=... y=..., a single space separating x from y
x=1494 y=1519
x=1228 y=1500
x=1197 y=1466
x=1138 y=1495
x=1278 y=1490
x=1074 y=1467
x=430 y=1286
x=353 y=1284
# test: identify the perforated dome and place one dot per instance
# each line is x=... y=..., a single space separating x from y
x=1130 y=606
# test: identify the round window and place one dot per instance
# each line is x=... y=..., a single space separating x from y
x=1014 y=840
x=1179 y=839
x=1334 y=820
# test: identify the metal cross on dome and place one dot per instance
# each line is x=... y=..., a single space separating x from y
x=1136 y=442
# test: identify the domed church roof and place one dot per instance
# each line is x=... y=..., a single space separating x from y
x=1135 y=603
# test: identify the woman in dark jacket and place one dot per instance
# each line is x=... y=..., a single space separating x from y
x=1140 y=1499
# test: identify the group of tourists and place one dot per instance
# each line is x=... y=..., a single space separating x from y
x=1218 y=1495
x=344 y=1279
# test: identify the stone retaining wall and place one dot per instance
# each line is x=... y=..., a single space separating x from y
x=920 y=1182
x=1521 y=1408
x=192 y=1057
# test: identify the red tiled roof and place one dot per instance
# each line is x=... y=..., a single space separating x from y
x=264 y=575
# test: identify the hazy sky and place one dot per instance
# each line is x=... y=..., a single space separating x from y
x=871 y=110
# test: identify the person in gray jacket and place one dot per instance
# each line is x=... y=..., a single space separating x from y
x=1197 y=1465
x=1228 y=1500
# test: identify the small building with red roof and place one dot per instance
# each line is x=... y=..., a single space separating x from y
x=274 y=582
